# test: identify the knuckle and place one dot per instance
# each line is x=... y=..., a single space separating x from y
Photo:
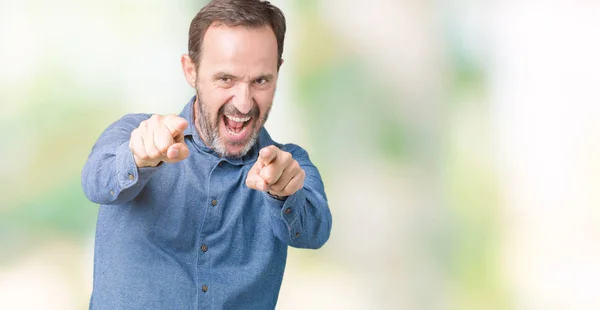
x=155 y=121
x=133 y=148
x=251 y=182
x=154 y=154
x=170 y=118
x=276 y=187
x=267 y=175
x=162 y=148
x=295 y=186
x=162 y=145
x=135 y=133
x=295 y=166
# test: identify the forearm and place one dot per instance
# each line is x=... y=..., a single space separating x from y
x=110 y=175
x=303 y=220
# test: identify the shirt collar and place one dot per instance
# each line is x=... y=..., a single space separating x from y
x=264 y=139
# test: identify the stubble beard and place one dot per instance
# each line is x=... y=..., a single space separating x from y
x=210 y=132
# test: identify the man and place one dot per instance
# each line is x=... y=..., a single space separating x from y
x=197 y=210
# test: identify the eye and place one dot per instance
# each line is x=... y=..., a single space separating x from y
x=224 y=81
x=262 y=81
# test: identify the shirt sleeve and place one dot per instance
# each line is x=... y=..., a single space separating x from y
x=302 y=220
x=110 y=175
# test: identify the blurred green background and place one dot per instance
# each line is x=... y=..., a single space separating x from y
x=458 y=142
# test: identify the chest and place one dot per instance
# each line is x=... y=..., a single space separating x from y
x=194 y=198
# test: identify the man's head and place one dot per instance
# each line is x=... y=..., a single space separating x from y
x=235 y=51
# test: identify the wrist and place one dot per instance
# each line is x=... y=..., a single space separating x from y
x=145 y=163
x=280 y=198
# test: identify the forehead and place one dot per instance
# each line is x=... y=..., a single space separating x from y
x=239 y=46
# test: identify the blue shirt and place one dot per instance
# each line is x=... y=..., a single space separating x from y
x=191 y=235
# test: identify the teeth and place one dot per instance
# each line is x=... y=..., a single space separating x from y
x=237 y=119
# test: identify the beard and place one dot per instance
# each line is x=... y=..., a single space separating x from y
x=210 y=131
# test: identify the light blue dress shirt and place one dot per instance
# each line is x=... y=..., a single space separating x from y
x=191 y=235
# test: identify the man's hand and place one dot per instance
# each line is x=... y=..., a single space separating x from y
x=158 y=139
x=277 y=172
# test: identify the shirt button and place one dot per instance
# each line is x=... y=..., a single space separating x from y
x=112 y=192
x=204 y=248
x=131 y=177
x=214 y=202
x=288 y=211
x=205 y=288
x=297 y=234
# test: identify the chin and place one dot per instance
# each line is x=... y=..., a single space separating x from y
x=235 y=150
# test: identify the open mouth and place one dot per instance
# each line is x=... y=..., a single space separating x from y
x=236 y=127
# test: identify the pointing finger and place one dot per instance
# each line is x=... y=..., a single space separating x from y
x=268 y=154
x=176 y=125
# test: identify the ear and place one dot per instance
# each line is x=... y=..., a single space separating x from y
x=189 y=70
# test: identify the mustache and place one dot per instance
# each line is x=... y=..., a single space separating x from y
x=230 y=109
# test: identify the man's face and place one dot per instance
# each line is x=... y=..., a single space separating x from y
x=235 y=86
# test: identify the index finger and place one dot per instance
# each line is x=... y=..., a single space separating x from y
x=175 y=124
x=268 y=154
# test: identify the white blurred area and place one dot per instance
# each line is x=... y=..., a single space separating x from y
x=543 y=72
x=546 y=110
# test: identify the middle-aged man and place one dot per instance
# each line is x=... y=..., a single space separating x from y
x=197 y=210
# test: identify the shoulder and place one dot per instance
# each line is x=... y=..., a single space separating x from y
x=294 y=149
x=266 y=140
x=129 y=121
x=134 y=118
x=298 y=153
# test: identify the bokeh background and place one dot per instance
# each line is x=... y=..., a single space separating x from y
x=458 y=142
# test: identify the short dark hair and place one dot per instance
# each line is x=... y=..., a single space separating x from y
x=248 y=13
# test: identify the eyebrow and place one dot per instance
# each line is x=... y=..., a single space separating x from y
x=223 y=74
x=266 y=76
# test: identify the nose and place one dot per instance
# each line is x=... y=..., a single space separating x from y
x=242 y=98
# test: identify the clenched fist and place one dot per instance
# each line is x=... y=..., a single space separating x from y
x=158 y=139
x=277 y=172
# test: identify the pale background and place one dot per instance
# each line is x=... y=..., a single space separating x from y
x=458 y=142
